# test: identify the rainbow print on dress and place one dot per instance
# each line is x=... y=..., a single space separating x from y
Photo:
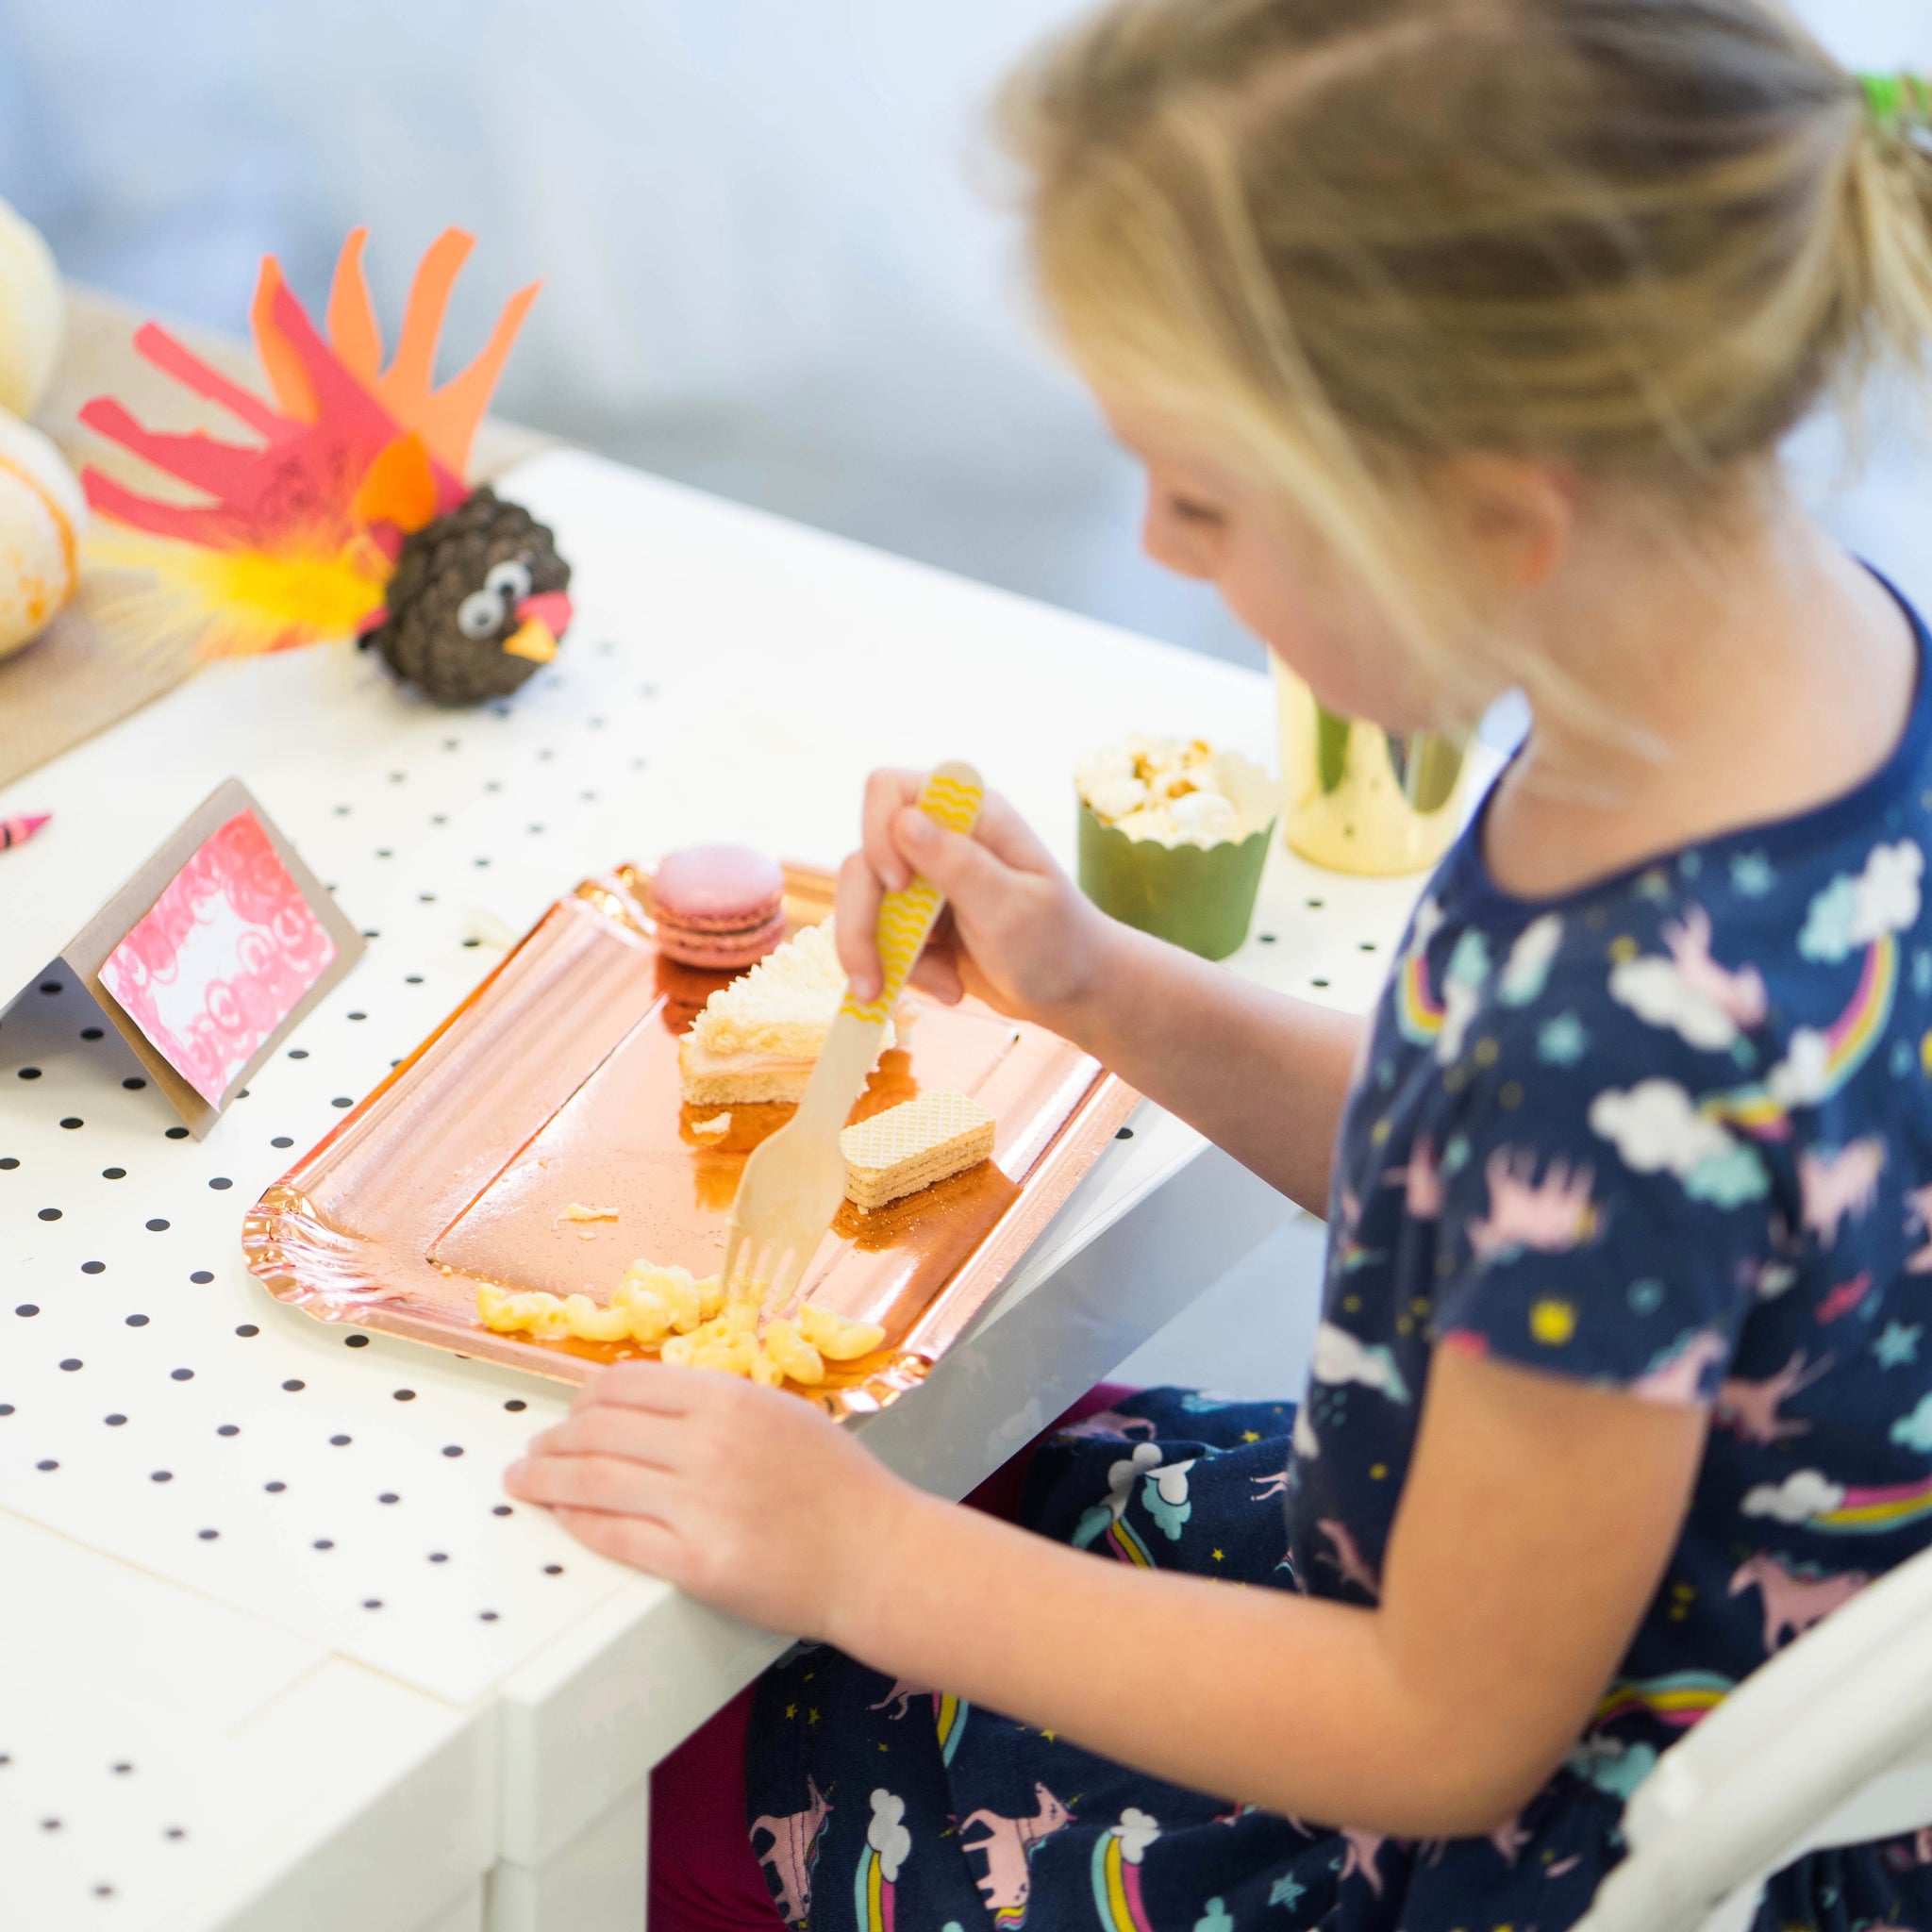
x=1839 y=1509
x=1678 y=1700
x=1418 y=1011
x=949 y=1722
x=1117 y=1873
x=1819 y=1062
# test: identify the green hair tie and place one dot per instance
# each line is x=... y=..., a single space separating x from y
x=1897 y=102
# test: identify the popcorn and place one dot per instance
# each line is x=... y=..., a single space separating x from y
x=1172 y=791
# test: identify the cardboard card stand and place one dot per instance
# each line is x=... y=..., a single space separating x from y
x=89 y=952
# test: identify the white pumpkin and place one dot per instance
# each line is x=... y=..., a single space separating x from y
x=30 y=314
x=43 y=514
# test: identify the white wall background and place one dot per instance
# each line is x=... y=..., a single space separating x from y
x=773 y=265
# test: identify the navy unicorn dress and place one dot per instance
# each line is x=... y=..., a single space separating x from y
x=1671 y=1134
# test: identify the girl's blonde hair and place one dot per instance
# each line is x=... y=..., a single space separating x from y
x=1354 y=238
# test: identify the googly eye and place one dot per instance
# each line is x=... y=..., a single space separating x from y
x=510 y=579
x=480 y=614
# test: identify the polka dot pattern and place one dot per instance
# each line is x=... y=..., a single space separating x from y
x=279 y=1434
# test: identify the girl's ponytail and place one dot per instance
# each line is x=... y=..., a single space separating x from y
x=1887 y=228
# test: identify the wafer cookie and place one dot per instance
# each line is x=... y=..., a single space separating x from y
x=912 y=1145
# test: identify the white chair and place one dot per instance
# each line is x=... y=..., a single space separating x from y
x=1829 y=1743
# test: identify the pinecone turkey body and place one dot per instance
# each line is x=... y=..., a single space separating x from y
x=456 y=599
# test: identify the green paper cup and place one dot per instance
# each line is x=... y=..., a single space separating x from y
x=1198 y=896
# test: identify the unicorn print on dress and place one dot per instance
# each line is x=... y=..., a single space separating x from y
x=1739 y=995
x=1421 y=1182
x=1348 y=1560
x=1117 y=1873
x=1835 y=1188
x=1362 y=1858
x=1686 y=991
x=895 y=1702
x=1794 y=1596
x=793 y=1854
x=1547 y=1217
x=1109 y=1422
x=1008 y=1846
x=1677 y=1374
x=1750 y=1409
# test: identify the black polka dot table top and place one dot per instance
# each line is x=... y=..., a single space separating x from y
x=259 y=1541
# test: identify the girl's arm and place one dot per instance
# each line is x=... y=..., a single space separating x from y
x=1537 y=1521
x=1262 y=1075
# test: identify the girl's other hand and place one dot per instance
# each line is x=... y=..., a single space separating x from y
x=1016 y=931
x=744 y=1498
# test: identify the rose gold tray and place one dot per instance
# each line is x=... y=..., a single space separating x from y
x=555 y=1082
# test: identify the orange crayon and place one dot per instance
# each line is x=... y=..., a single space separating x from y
x=18 y=831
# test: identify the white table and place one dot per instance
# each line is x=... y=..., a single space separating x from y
x=376 y=1695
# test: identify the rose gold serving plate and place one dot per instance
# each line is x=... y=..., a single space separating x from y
x=555 y=1087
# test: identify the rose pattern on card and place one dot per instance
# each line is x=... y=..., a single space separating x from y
x=222 y=959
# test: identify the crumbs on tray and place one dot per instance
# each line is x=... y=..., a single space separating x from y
x=691 y=1323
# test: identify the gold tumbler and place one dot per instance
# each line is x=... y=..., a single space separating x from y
x=1359 y=799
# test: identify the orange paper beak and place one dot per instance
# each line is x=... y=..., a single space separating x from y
x=544 y=619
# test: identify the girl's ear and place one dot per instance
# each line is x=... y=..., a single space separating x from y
x=1512 y=518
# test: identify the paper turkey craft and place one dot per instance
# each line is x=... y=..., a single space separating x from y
x=351 y=515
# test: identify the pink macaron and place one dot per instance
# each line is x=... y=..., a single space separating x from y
x=719 y=907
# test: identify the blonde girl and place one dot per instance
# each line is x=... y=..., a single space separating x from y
x=1457 y=339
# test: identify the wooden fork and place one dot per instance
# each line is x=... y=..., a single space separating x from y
x=793 y=1182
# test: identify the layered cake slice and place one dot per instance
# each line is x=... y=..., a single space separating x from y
x=757 y=1039
x=912 y=1145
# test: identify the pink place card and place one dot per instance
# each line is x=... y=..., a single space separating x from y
x=229 y=950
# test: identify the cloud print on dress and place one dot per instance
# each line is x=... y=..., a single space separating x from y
x=1657 y=1128
x=1914 y=1431
x=887 y=1834
x=1136 y=1831
x=1652 y=988
x=1803 y=1494
x=1462 y=990
x=1339 y=1357
x=1857 y=909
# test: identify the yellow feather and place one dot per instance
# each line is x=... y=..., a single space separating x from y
x=239 y=602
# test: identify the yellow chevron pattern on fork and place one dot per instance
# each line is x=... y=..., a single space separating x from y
x=950 y=797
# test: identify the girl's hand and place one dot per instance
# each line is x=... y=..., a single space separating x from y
x=743 y=1496
x=1016 y=931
